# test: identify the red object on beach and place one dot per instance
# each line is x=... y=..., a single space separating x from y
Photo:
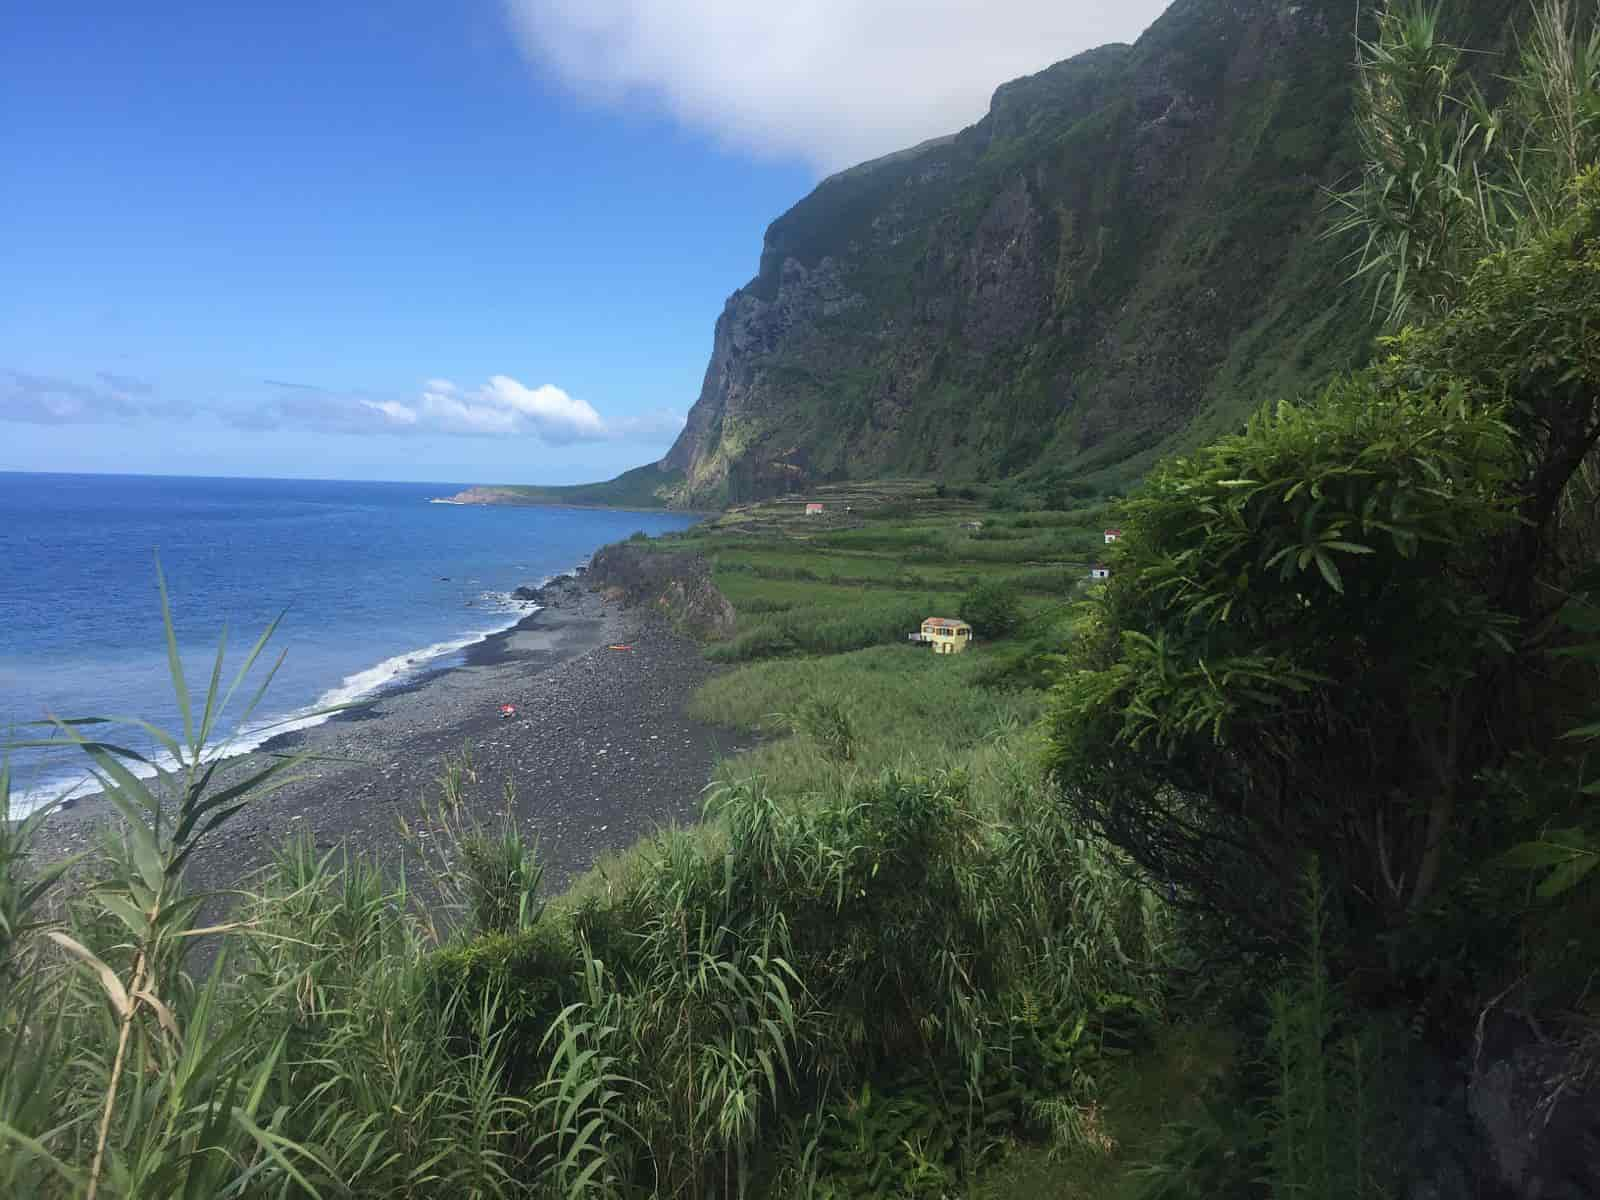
x=508 y=710
x=619 y=646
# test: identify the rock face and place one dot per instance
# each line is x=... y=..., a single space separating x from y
x=1122 y=256
x=1537 y=1109
x=564 y=591
x=677 y=585
x=1514 y=1117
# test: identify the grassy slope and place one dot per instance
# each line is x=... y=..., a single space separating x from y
x=898 y=545
x=942 y=931
x=1147 y=1093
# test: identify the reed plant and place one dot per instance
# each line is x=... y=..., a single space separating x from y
x=432 y=1027
x=139 y=1082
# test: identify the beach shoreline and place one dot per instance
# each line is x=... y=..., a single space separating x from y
x=600 y=754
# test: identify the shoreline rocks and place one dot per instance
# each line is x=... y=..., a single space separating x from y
x=562 y=592
x=677 y=585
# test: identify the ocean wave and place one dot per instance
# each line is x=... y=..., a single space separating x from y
x=361 y=685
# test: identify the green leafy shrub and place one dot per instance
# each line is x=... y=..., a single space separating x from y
x=1315 y=624
x=503 y=874
x=1008 y=498
x=828 y=724
x=648 y=1040
x=992 y=609
x=528 y=975
x=1279 y=652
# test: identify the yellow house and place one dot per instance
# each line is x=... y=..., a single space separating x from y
x=946 y=635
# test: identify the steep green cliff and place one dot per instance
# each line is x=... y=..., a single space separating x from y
x=1121 y=257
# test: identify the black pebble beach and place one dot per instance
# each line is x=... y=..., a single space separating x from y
x=599 y=754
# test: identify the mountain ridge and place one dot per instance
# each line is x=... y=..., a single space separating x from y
x=1122 y=259
x=1067 y=286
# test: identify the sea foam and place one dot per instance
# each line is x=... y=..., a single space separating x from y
x=352 y=689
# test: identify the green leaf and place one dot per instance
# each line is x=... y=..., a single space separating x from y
x=1329 y=571
x=180 y=685
x=1568 y=875
x=244 y=669
x=210 y=714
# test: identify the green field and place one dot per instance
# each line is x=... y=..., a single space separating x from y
x=876 y=561
x=821 y=669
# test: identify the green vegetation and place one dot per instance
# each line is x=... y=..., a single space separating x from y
x=1313 y=624
x=992 y=609
x=905 y=708
x=1311 y=800
x=1121 y=259
x=880 y=559
x=665 y=1029
x=648 y=486
x=1340 y=687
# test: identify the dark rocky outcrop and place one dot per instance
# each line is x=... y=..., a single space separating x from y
x=564 y=591
x=1535 y=1104
x=1514 y=1116
x=678 y=585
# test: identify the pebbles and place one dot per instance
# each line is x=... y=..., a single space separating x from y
x=600 y=753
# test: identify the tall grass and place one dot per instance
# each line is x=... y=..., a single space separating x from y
x=904 y=708
x=671 y=1029
x=830 y=629
x=726 y=983
x=129 y=1092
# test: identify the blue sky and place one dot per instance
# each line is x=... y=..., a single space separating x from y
x=474 y=241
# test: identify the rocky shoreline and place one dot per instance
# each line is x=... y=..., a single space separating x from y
x=600 y=754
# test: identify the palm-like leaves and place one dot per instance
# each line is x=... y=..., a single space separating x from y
x=1448 y=178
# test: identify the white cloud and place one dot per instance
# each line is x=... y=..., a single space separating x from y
x=502 y=407
x=505 y=406
x=393 y=410
x=557 y=416
x=448 y=413
x=833 y=82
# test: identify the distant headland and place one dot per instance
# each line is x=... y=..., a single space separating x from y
x=646 y=487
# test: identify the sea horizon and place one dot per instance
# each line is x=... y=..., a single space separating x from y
x=458 y=486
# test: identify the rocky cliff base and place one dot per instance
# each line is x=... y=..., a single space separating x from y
x=677 y=585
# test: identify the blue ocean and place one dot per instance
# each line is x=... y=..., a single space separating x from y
x=377 y=585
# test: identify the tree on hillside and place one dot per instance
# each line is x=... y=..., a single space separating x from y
x=992 y=609
x=1329 y=629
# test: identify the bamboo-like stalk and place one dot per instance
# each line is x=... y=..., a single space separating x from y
x=123 y=1037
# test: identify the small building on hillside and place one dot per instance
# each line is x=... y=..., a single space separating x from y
x=813 y=508
x=1113 y=535
x=973 y=526
x=945 y=634
x=1099 y=571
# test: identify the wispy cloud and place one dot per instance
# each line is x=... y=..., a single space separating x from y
x=832 y=82
x=50 y=400
x=127 y=385
x=502 y=407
